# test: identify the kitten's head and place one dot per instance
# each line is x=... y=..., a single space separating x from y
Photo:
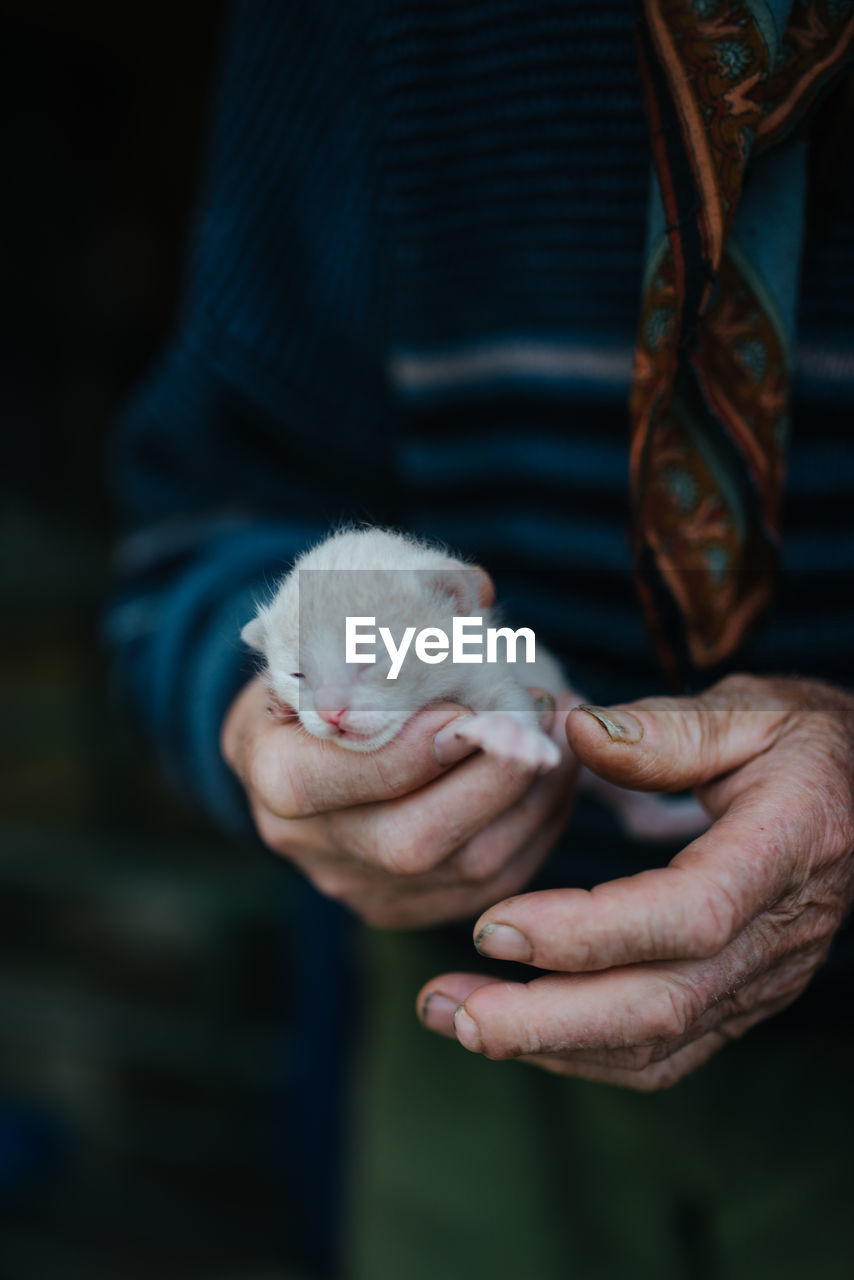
x=302 y=635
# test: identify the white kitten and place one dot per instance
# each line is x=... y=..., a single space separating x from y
x=404 y=583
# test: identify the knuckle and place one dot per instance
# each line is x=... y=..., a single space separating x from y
x=473 y=874
x=711 y=929
x=658 y=1077
x=379 y=840
x=353 y=838
x=403 y=855
x=711 y=933
x=667 y=1017
x=637 y=1058
x=479 y=860
x=404 y=845
x=388 y=841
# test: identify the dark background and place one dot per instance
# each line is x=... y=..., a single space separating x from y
x=145 y=1059
x=153 y=1117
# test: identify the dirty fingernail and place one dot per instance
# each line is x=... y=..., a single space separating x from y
x=503 y=942
x=448 y=746
x=620 y=727
x=437 y=1012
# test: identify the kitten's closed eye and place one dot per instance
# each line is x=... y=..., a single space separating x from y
x=297 y=675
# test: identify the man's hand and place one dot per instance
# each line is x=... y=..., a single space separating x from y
x=653 y=973
x=409 y=836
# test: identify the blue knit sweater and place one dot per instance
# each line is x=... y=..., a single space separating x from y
x=412 y=299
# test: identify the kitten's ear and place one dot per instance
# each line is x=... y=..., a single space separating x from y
x=467 y=586
x=255 y=634
x=485 y=587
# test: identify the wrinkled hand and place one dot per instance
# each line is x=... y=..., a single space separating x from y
x=655 y=972
x=408 y=836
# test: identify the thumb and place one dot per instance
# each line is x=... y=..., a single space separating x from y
x=671 y=744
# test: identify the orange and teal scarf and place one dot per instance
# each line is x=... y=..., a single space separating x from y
x=726 y=83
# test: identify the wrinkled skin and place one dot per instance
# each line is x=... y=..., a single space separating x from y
x=651 y=974
x=409 y=836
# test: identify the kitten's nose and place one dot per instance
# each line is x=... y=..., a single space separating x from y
x=331 y=717
x=330 y=704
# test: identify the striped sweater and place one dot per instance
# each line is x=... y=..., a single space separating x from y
x=412 y=298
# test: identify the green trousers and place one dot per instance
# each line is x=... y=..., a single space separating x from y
x=467 y=1168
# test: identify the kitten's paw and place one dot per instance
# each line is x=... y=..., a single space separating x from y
x=501 y=734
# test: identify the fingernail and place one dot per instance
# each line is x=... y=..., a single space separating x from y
x=468 y=1032
x=437 y=1012
x=448 y=746
x=503 y=942
x=625 y=729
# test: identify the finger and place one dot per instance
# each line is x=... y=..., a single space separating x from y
x=415 y=833
x=690 y=909
x=732 y=1016
x=440 y=897
x=665 y=1067
x=615 y=1027
x=546 y=804
x=564 y=1013
x=439 y=999
x=648 y=1008
x=296 y=775
x=652 y=1079
x=670 y=744
x=387 y=901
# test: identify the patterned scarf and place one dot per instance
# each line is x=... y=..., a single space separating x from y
x=726 y=83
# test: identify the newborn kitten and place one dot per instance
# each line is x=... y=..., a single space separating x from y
x=389 y=580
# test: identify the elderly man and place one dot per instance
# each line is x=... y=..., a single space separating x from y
x=414 y=299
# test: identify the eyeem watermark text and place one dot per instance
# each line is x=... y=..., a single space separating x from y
x=432 y=645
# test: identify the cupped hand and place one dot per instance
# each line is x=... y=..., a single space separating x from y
x=651 y=974
x=413 y=835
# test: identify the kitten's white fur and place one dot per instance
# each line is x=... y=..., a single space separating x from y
x=404 y=582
